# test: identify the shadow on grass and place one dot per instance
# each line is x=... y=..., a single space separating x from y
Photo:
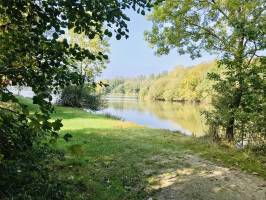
x=128 y=138
x=72 y=113
x=116 y=163
x=134 y=164
x=60 y=111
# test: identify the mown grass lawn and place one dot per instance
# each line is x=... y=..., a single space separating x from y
x=113 y=159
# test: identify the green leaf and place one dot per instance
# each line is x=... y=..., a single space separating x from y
x=118 y=37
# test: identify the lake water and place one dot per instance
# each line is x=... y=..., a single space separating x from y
x=186 y=118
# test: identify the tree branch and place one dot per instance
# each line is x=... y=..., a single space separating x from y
x=209 y=31
x=9 y=110
x=220 y=10
x=10 y=70
x=5 y=27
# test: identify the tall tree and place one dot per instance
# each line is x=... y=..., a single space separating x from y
x=87 y=67
x=32 y=54
x=235 y=30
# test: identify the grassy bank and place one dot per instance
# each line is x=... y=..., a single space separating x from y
x=112 y=159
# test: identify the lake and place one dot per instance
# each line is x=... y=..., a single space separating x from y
x=183 y=117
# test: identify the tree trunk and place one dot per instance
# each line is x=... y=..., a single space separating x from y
x=239 y=60
x=230 y=133
x=230 y=130
x=81 y=86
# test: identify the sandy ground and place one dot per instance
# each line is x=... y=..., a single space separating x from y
x=198 y=179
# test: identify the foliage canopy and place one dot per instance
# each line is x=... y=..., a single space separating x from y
x=33 y=54
x=234 y=30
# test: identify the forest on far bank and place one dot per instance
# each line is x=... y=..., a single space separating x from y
x=180 y=84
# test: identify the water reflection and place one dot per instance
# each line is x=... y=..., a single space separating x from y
x=186 y=118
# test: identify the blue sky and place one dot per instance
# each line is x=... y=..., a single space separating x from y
x=133 y=57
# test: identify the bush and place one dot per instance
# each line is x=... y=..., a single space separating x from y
x=239 y=110
x=31 y=176
x=27 y=167
x=20 y=130
x=15 y=134
x=81 y=97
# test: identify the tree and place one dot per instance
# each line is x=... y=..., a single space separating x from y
x=33 y=54
x=84 y=95
x=89 y=68
x=233 y=29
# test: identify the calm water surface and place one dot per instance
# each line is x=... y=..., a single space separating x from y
x=185 y=118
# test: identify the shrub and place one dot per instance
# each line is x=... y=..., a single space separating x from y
x=31 y=176
x=20 y=130
x=81 y=97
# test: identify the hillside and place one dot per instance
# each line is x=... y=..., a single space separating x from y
x=180 y=84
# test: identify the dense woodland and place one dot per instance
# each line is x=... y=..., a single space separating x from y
x=180 y=84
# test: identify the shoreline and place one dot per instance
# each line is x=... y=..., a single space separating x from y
x=117 y=159
x=136 y=97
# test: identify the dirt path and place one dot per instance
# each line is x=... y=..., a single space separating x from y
x=199 y=179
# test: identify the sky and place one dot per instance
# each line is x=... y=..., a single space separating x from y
x=133 y=56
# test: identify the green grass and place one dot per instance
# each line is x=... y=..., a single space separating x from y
x=115 y=159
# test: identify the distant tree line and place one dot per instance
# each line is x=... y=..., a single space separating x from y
x=180 y=84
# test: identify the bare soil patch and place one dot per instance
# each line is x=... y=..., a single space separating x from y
x=198 y=179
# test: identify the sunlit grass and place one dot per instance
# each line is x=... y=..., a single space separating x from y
x=117 y=159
